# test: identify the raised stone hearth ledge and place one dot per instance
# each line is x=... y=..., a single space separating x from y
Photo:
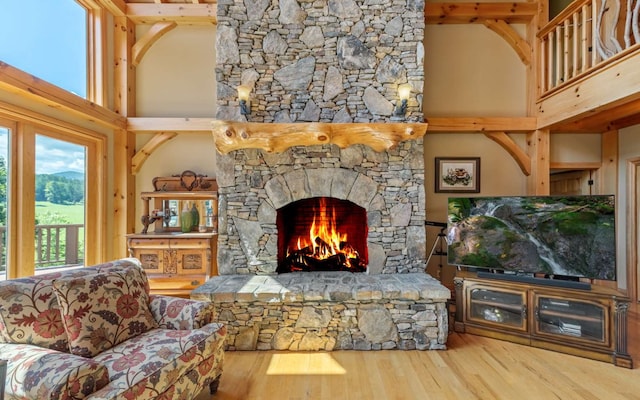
x=278 y=137
x=330 y=311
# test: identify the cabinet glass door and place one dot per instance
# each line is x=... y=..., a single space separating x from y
x=502 y=307
x=575 y=318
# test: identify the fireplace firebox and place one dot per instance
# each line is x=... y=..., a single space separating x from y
x=322 y=234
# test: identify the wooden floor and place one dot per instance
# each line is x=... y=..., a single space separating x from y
x=473 y=367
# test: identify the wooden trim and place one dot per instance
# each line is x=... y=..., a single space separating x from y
x=277 y=137
x=481 y=124
x=141 y=155
x=96 y=56
x=148 y=39
x=521 y=157
x=631 y=245
x=30 y=87
x=518 y=44
x=609 y=169
x=13 y=214
x=22 y=218
x=473 y=12
x=574 y=165
x=182 y=13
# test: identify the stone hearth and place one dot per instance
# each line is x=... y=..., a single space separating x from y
x=330 y=311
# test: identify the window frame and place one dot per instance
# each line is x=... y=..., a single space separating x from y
x=24 y=126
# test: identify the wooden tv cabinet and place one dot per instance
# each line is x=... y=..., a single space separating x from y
x=587 y=323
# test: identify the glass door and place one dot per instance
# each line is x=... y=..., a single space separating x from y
x=497 y=306
x=580 y=319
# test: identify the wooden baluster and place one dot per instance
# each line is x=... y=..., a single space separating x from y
x=559 y=73
x=566 y=48
x=575 y=31
x=585 y=37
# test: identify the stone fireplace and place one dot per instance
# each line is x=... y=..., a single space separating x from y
x=388 y=186
x=323 y=124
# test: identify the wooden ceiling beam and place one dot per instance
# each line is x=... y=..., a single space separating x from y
x=162 y=124
x=116 y=7
x=182 y=13
x=468 y=13
x=33 y=88
x=481 y=124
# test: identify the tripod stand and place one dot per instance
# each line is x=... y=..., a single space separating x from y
x=439 y=247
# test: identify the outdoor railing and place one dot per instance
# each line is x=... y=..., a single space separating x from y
x=584 y=36
x=56 y=245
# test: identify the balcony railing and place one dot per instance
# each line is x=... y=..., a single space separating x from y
x=56 y=246
x=585 y=36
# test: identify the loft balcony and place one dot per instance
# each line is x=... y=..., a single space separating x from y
x=588 y=59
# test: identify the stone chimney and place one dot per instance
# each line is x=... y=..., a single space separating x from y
x=320 y=60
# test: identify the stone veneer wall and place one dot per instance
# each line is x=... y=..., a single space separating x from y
x=253 y=185
x=319 y=60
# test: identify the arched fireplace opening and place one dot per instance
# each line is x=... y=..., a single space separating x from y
x=322 y=234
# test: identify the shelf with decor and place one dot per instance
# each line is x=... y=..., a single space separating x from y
x=179 y=253
x=590 y=323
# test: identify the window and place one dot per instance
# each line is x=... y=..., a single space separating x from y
x=47 y=39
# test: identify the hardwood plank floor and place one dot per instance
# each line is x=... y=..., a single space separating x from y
x=473 y=367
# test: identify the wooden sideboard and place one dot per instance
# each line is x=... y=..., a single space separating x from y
x=176 y=262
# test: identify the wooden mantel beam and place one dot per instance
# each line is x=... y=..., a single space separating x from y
x=277 y=137
x=473 y=12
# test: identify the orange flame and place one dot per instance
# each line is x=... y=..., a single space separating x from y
x=324 y=237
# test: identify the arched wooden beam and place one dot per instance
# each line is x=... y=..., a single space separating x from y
x=505 y=31
x=140 y=48
x=521 y=157
x=141 y=155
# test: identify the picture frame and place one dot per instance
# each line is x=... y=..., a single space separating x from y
x=457 y=175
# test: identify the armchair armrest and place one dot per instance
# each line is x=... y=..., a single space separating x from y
x=179 y=313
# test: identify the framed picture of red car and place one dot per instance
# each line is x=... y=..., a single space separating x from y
x=457 y=175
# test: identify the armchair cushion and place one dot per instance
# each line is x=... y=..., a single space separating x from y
x=39 y=373
x=101 y=310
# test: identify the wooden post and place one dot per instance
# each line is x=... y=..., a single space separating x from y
x=538 y=150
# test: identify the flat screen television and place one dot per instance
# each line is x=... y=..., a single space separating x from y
x=557 y=236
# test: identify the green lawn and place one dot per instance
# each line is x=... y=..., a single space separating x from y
x=74 y=214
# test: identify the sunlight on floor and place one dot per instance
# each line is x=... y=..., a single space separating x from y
x=304 y=364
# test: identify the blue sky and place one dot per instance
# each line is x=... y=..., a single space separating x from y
x=47 y=38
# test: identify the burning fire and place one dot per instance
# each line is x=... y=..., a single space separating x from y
x=324 y=244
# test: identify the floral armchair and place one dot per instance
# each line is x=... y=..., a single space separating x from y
x=97 y=333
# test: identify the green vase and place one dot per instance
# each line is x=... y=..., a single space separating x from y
x=196 y=215
x=186 y=220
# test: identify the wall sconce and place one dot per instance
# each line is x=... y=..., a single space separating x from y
x=243 y=98
x=403 y=94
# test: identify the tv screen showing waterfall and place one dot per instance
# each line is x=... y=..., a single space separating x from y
x=563 y=236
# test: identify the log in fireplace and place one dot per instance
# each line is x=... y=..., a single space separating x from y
x=322 y=234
